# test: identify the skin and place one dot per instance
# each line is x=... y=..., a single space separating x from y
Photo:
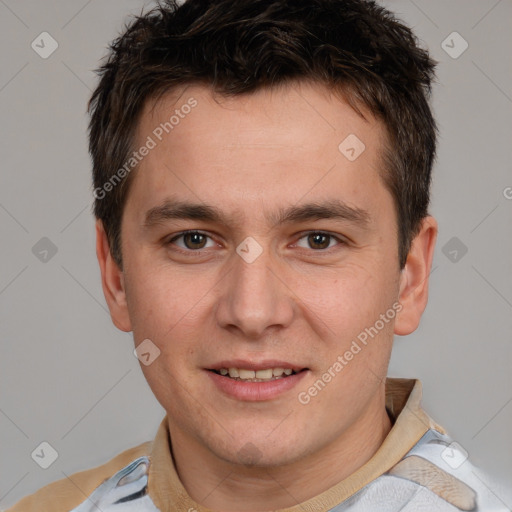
x=299 y=301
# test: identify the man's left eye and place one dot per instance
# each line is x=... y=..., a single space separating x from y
x=319 y=240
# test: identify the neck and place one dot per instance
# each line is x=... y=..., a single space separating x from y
x=222 y=486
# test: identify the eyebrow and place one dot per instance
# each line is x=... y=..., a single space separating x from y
x=329 y=209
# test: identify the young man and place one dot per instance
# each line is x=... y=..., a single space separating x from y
x=261 y=174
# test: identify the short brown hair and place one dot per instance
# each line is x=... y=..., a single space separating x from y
x=239 y=46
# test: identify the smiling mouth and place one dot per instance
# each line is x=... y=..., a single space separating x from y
x=266 y=375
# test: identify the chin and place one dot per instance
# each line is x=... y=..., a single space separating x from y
x=258 y=452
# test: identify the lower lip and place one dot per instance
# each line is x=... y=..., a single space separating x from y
x=256 y=391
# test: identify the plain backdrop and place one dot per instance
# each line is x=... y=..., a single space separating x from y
x=69 y=377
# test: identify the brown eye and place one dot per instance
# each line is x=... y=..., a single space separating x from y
x=192 y=240
x=319 y=240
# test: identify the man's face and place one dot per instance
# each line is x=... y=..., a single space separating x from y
x=254 y=290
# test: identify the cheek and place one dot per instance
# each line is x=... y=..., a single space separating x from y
x=169 y=310
x=346 y=310
x=167 y=317
x=160 y=302
x=347 y=299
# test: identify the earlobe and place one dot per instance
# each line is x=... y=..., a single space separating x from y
x=413 y=292
x=112 y=281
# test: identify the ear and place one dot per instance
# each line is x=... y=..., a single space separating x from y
x=413 y=295
x=112 y=281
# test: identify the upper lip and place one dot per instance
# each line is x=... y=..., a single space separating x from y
x=256 y=365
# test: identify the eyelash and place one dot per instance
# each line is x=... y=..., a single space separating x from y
x=341 y=241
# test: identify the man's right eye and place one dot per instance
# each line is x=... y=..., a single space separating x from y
x=191 y=240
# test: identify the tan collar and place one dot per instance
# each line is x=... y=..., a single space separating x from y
x=403 y=398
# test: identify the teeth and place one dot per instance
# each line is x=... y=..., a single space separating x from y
x=256 y=376
x=246 y=374
x=264 y=374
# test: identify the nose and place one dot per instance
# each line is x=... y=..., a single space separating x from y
x=255 y=298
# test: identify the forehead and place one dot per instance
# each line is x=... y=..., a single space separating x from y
x=273 y=145
x=255 y=117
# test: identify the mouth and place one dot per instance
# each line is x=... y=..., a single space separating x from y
x=263 y=375
x=263 y=381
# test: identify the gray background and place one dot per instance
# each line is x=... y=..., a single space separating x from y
x=69 y=377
